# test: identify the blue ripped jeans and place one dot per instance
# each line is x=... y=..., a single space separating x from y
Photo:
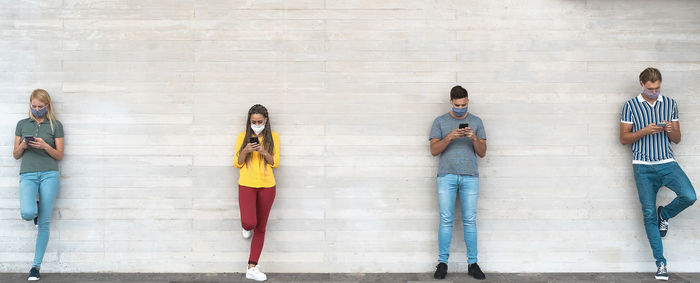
x=448 y=186
x=46 y=184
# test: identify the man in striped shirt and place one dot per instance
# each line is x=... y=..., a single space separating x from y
x=650 y=123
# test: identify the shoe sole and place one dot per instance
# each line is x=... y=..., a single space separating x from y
x=661 y=278
x=33 y=279
x=259 y=280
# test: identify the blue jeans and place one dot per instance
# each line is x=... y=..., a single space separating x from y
x=649 y=179
x=46 y=184
x=447 y=188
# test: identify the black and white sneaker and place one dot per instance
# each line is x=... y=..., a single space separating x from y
x=475 y=271
x=661 y=272
x=441 y=271
x=34 y=274
x=663 y=223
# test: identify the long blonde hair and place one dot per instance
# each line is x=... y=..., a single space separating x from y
x=44 y=97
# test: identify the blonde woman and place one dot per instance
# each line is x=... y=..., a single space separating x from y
x=39 y=143
x=257 y=152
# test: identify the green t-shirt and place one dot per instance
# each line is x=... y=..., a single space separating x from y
x=38 y=160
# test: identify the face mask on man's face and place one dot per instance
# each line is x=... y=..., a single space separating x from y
x=650 y=94
x=459 y=111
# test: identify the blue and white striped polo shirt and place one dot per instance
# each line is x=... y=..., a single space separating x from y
x=656 y=148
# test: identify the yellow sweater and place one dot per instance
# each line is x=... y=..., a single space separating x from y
x=258 y=173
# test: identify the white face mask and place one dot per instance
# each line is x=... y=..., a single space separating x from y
x=257 y=128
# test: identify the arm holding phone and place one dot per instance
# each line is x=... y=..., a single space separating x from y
x=20 y=146
x=23 y=143
x=254 y=145
x=437 y=146
x=673 y=129
x=628 y=137
x=268 y=157
x=479 y=144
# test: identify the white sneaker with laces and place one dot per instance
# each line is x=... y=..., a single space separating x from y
x=255 y=274
x=247 y=234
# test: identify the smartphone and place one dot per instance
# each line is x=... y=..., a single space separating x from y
x=253 y=140
x=28 y=139
x=463 y=125
x=661 y=124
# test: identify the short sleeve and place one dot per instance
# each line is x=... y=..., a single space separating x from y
x=481 y=131
x=674 y=113
x=436 y=131
x=58 y=129
x=18 y=129
x=626 y=115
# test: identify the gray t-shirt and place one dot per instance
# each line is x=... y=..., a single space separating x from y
x=459 y=156
x=38 y=160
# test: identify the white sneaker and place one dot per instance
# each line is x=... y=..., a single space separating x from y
x=247 y=234
x=255 y=274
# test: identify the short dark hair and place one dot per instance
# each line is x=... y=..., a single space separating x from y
x=458 y=92
x=650 y=74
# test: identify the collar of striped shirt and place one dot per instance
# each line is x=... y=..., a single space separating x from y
x=641 y=99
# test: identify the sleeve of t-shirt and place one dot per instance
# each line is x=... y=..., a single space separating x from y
x=18 y=129
x=58 y=129
x=674 y=113
x=481 y=131
x=626 y=115
x=435 y=131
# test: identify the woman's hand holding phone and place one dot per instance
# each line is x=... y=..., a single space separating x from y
x=250 y=147
x=38 y=143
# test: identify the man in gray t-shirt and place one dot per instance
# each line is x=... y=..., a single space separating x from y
x=458 y=137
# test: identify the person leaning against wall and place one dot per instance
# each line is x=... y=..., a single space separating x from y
x=257 y=153
x=39 y=143
x=650 y=123
x=458 y=137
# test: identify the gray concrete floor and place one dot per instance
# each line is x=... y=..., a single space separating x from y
x=357 y=277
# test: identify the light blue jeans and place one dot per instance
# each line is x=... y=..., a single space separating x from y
x=649 y=179
x=447 y=187
x=46 y=184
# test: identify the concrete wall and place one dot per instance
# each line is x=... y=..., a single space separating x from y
x=153 y=93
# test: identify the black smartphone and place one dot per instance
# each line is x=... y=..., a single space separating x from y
x=28 y=139
x=661 y=124
x=463 y=125
x=253 y=140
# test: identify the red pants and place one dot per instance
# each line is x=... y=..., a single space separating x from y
x=255 y=205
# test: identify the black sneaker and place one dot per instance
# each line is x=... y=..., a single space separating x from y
x=441 y=271
x=34 y=274
x=475 y=271
x=661 y=272
x=36 y=219
x=663 y=223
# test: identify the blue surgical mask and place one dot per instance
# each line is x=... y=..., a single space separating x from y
x=40 y=113
x=650 y=94
x=459 y=111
